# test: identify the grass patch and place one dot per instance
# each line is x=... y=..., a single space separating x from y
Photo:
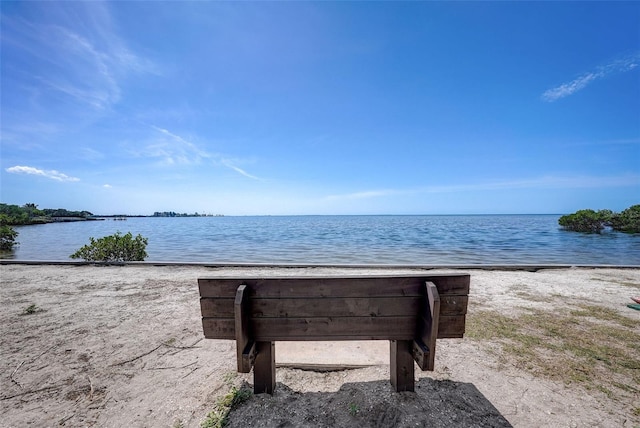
x=604 y=314
x=354 y=409
x=219 y=416
x=31 y=309
x=592 y=346
x=628 y=283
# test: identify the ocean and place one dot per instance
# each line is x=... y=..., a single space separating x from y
x=375 y=240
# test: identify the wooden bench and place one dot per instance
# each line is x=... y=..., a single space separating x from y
x=410 y=311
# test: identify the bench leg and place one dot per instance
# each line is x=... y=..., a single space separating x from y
x=264 y=370
x=402 y=369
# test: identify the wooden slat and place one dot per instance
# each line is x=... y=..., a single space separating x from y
x=334 y=307
x=306 y=287
x=351 y=286
x=219 y=328
x=216 y=308
x=378 y=306
x=454 y=284
x=451 y=327
x=453 y=305
x=337 y=328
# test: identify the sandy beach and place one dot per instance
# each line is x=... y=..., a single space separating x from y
x=116 y=346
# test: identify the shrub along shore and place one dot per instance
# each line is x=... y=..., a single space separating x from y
x=591 y=221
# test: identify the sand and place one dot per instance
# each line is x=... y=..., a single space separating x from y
x=116 y=346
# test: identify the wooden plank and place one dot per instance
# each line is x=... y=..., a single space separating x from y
x=244 y=341
x=335 y=307
x=264 y=371
x=343 y=329
x=451 y=327
x=401 y=367
x=310 y=286
x=455 y=284
x=219 y=328
x=376 y=306
x=348 y=286
x=303 y=329
x=336 y=328
x=453 y=305
x=217 y=308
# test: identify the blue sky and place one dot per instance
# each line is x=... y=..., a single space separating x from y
x=275 y=108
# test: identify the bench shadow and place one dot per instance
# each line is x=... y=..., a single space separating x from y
x=435 y=403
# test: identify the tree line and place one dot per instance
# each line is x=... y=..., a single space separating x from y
x=14 y=215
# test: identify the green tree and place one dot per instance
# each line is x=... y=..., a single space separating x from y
x=114 y=248
x=586 y=220
x=7 y=237
x=14 y=214
x=627 y=221
x=32 y=210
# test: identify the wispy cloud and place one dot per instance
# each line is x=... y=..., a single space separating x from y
x=90 y=154
x=368 y=194
x=174 y=149
x=620 y=65
x=228 y=164
x=84 y=63
x=613 y=142
x=545 y=182
x=51 y=174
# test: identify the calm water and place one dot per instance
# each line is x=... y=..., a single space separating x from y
x=415 y=240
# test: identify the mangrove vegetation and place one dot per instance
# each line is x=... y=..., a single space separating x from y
x=591 y=221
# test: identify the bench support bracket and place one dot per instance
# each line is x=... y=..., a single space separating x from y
x=424 y=347
x=245 y=347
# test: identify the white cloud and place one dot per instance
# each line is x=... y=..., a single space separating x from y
x=569 y=88
x=620 y=65
x=107 y=186
x=51 y=174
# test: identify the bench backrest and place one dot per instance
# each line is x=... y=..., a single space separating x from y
x=334 y=308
